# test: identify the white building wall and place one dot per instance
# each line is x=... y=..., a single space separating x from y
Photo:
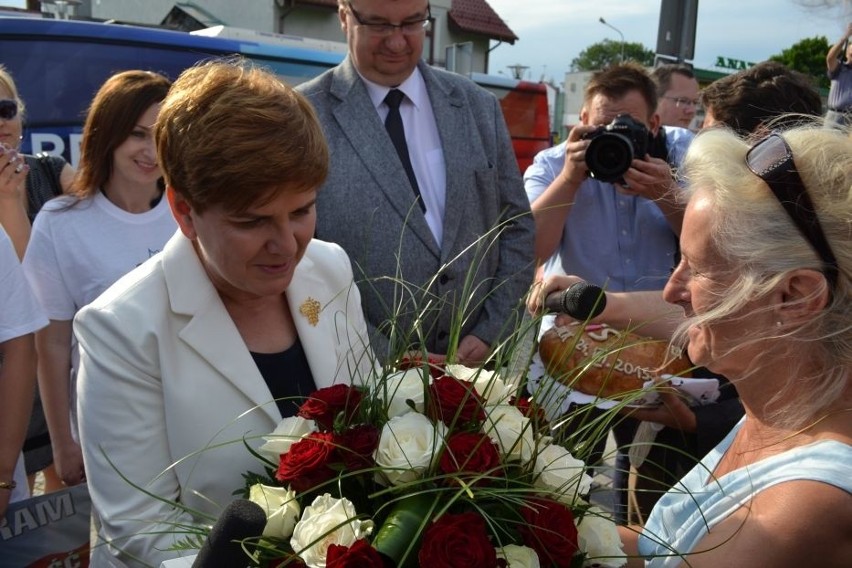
x=252 y=14
x=575 y=84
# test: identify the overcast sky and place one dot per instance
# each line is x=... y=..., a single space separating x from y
x=553 y=32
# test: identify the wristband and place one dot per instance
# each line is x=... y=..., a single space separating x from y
x=9 y=485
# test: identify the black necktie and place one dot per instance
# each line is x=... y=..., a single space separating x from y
x=396 y=131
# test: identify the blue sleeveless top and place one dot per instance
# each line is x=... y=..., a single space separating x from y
x=682 y=517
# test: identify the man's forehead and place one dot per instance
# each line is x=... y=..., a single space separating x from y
x=382 y=7
x=603 y=109
x=682 y=83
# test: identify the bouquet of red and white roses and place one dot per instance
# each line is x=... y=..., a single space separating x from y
x=430 y=465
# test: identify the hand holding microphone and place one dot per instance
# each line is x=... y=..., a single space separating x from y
x=581 y=300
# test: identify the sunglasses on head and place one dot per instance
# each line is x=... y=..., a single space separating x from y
x=8 y=109
x=771 y=159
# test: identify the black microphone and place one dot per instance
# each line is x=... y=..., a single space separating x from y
x=240 y=520
x=581 y=300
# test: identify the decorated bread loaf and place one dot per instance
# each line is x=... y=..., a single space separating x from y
x=599 y=360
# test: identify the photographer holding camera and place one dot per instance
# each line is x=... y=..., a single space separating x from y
x=604 y=201
x=616 y=223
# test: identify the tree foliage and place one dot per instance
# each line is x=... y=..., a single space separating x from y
x=606 y=52
x=807 y=56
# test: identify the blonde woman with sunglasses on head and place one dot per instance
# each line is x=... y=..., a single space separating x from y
x=26 y=182
x=765 y=284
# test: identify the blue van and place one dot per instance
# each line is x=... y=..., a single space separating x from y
x=58 y=65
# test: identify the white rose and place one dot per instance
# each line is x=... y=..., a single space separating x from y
x=519 y=556
x=407 y=447
x=487 y=384
x=512 y=431
x=401 y=386
x=325 y=522
x=289 y=431
x=598 y=537
x=279 y=504
x=559 y=471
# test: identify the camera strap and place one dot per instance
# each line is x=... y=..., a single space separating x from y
x=657 y=145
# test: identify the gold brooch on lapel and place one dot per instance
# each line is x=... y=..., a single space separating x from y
x=310 y=308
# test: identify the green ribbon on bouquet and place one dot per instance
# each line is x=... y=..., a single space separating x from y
x=400 y=534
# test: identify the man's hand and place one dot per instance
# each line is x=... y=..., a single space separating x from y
x=542 y=288
x=673 y=412
x=575 y=170
x=650 y=178
x=472 y=351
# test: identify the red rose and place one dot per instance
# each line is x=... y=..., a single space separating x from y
x=357 y=446
x=359 y=555
x=471 y=453
x=324 y=405
x=550 y=531
x=306 y=464
x=455 y=402
x=457 y=541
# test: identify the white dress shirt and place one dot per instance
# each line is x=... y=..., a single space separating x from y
x=424 y=144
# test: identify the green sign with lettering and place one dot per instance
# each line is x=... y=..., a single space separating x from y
x=731 y=63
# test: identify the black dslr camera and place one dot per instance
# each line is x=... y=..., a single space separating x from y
x=614 y=146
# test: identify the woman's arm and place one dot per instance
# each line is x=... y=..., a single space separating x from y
x=832 y=59
x=789 y=525
x=630 y=545
x=17 y=388
x=643 y=312
x=53 y=345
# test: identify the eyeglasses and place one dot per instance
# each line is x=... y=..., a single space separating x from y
x=385 y=29
x=771 y=159
x=8 y=109
x=683 y=101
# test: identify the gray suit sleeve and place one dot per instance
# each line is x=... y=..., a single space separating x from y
x=503 y=307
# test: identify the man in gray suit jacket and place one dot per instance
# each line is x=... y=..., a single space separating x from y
x=442 y=247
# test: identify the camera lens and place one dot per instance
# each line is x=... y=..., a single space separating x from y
x=608 y=156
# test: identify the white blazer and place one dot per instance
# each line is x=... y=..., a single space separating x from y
x=168 y=391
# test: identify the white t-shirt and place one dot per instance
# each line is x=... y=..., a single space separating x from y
x=79 y=248
x=20 y=314
x=76 y=252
